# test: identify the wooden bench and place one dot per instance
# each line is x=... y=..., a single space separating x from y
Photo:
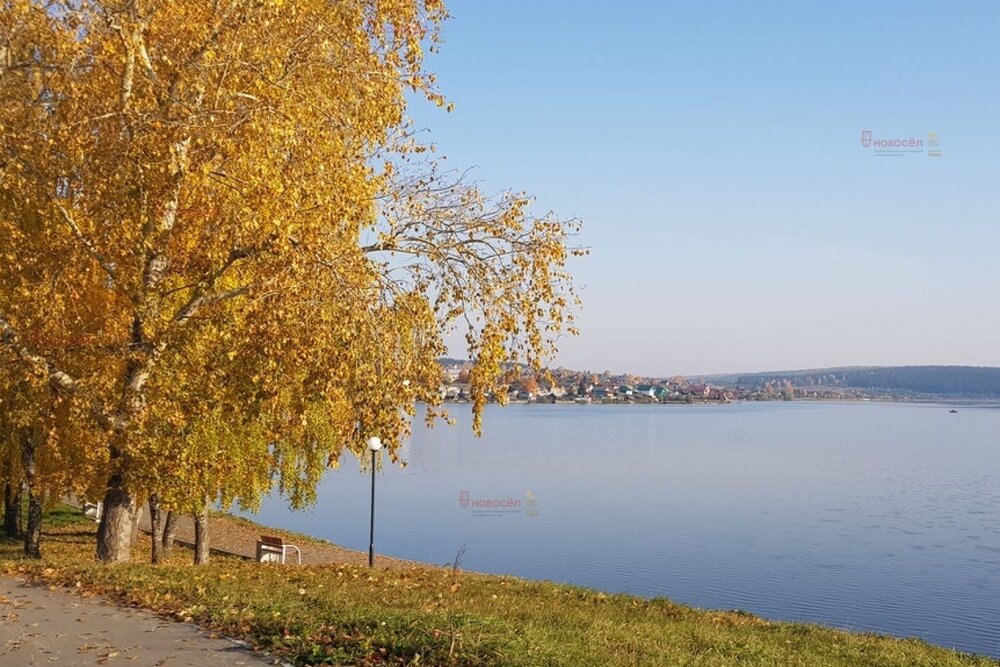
x=275 y=550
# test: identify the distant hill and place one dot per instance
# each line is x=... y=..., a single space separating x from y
x=954 y=381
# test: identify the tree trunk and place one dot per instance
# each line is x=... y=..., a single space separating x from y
x=114 y=534
x=169 y=530
x=12 y=509
x=201 y=537
x=8 y=493
x=155 y=521
x=136 y=520
x=33 y=533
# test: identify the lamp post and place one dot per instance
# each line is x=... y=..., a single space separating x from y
x=374 y=445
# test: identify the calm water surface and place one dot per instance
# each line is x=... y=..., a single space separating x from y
x=881 y=517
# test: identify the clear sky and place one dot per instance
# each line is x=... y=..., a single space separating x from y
x=713 y=150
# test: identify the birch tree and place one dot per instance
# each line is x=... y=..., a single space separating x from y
x=209 y=207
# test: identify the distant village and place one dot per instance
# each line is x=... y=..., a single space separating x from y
x=568 y=386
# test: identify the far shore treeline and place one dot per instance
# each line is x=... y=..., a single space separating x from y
x=944 y=381
x=950 y=383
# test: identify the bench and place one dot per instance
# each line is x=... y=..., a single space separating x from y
x=275 y=550
x=93 y=510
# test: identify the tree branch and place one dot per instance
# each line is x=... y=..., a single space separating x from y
x=201 y=298
x=228 y=294
x=108 y=267
x=58 y=380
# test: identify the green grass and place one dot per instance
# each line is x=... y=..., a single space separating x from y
x=64 y=515
x=430 y=616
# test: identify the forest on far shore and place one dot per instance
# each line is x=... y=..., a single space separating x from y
x=954 y=381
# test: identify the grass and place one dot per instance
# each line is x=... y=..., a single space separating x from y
x=431 y=616
x=64 y=515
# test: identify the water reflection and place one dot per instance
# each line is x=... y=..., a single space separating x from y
x=869 y=516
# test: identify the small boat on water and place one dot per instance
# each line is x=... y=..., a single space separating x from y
x=954 y=412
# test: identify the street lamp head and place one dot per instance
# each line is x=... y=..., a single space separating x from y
x=374 y=444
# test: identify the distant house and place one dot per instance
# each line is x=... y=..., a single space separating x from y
x=652 y=390
x=626 y=390
x=450 y=392
x=662 y=392
x=555 y=391
x=702 y=390
x=600 y=393
x=719 y=394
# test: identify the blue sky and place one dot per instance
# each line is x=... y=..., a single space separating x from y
x=713 y=150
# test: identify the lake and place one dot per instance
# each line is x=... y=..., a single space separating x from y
x=867 y=516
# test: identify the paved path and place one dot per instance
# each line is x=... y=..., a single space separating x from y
x=39 y=626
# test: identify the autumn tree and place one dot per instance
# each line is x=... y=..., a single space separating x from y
x=213 y=214
x=14 y=421
x=11 y=472
x=186 y=154
x=485 y=263
x=33 y=418
x=788 y=391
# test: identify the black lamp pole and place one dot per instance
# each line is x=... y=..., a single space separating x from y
x=371 y=541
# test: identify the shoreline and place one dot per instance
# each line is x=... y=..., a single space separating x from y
x=346 y=613
x=976 y=402
x=396 y=562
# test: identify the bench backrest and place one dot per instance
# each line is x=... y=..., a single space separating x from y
x=272 y=541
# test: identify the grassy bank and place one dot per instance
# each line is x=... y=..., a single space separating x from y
x=432 y=616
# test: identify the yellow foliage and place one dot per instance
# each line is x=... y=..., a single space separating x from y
x=188 y=202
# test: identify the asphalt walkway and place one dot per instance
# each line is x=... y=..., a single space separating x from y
x=40 y=626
